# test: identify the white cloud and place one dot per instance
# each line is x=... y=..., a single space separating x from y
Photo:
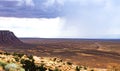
x=23 y=2
x=29 y=2
x=24 y=27
x=49 y=3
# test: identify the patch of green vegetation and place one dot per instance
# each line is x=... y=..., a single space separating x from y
x=2 y=63
x=41 y=68
x=56 y=69
x=77 y=68
x=30 y=57
x=17 y=59
x=13 y=67
x=28 y=65
x=18 y=55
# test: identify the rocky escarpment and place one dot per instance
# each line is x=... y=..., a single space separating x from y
x=8 y=38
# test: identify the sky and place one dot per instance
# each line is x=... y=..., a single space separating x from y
x=61 y=18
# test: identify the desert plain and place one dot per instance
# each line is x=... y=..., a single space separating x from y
x=97 y=53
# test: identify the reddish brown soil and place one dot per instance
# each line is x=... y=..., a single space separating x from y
x=92 y=53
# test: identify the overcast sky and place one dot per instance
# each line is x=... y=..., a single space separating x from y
x=61 y=18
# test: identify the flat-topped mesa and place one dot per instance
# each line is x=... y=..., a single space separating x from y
x=8 y=38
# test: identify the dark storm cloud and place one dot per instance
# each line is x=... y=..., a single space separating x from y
x=28 y=9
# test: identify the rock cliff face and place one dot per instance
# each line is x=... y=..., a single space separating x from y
x=8 y=38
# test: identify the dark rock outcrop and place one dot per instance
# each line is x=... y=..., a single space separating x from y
x=8 y=38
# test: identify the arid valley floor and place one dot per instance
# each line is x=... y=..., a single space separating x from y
x=88 y=52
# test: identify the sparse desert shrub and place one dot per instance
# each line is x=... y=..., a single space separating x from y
x=77 y=68
x=85 y=68
x=7 y=53
x=56 y=69
x=17 y=59
x=14 y=54
x=2 y=63
x=92 y=70
x=60 y=60
x=50 y=70
x=41 y=68
x=0 y=52
x=28 y=65
x=18 y=55
x=13 y=67
x=69 y=63
x=54 y=59
x=30 y=57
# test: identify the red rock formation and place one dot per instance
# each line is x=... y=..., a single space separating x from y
x=8 y=38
